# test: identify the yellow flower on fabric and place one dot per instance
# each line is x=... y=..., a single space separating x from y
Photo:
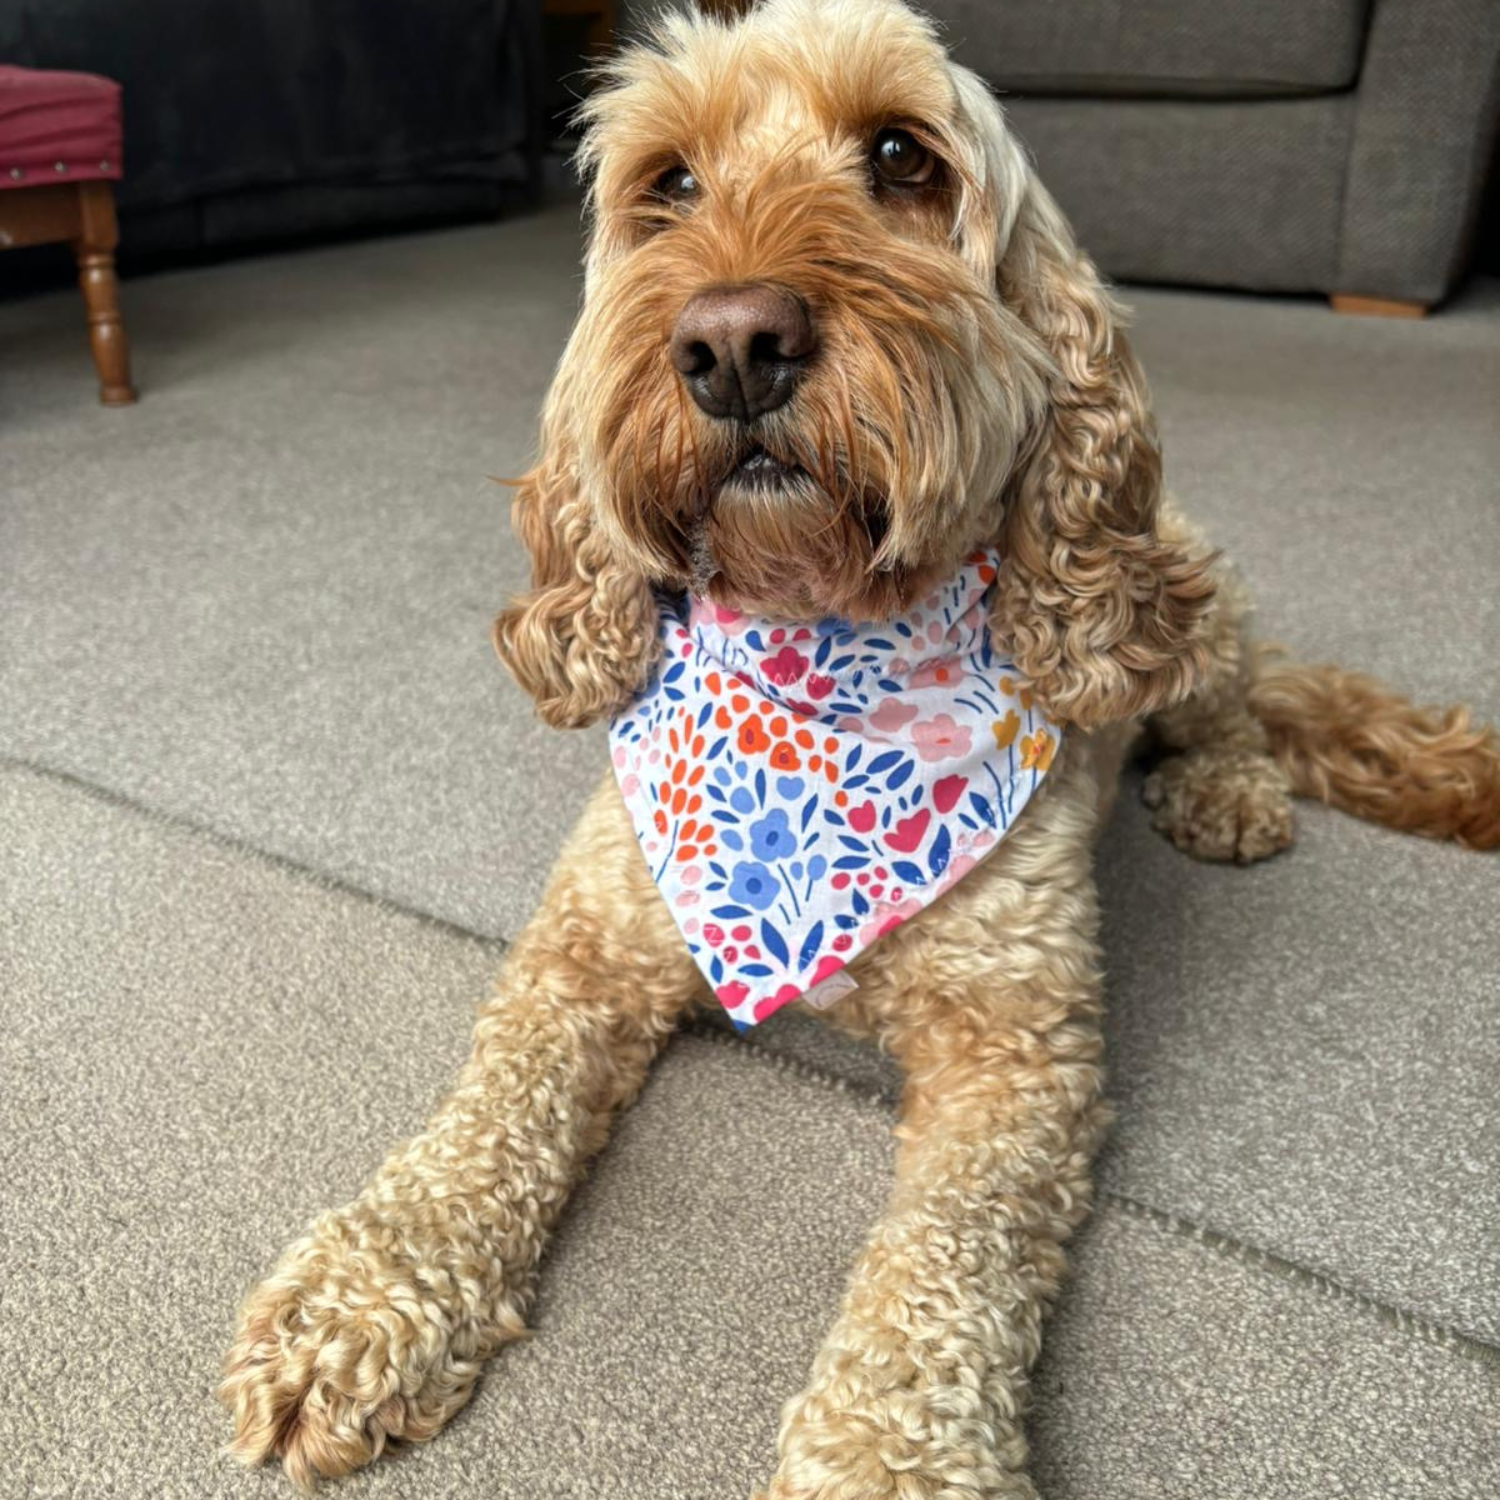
x=1005 y=730
x=1036 y=751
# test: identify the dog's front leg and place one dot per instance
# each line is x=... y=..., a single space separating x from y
x=374 y=1326
x=920 y=1389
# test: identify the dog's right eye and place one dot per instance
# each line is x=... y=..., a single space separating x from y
x=676 y=185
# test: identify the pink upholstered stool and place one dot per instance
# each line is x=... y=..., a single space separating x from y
x=59 y=153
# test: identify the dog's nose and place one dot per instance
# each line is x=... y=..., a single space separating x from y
x=741 y=349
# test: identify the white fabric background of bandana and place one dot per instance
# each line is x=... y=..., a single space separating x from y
x=799 y=790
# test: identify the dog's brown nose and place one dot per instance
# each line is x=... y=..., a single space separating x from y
x=740 y=349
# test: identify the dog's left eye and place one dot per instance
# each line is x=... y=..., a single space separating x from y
x=899 y=157
x=676 y=185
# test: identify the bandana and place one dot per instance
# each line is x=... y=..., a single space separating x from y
x=799 y=790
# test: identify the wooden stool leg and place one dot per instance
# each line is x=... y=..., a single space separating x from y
x=95 y=252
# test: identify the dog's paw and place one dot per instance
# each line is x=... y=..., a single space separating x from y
x=866 y=1483
x=1222 y=804
x=342 y=1350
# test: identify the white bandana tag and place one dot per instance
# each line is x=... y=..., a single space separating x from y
x=799 y=790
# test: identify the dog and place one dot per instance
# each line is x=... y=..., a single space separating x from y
x=837 y=345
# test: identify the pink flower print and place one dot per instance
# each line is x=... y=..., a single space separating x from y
x=945 y=793
x=770 y=1003
x=862 y=818
x=940 y=738
x=937 y=673
x=886 y=916
x=785 y=668
x=729 y=621
x=906 y=837
x=830 y=963
x=817 y=685
x=732 y=994
x=892 y=716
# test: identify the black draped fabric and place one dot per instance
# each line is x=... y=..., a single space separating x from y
x=252 y=118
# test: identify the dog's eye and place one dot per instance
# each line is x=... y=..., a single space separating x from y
x=900 y=158
x=676 y=185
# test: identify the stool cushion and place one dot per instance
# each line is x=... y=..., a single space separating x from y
x=57 y=127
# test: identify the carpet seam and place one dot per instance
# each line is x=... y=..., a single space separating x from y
x=1268 y=1262
x=1226 y=1246
x=235 y=844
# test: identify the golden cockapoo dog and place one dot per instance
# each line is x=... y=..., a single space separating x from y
x=918 y=360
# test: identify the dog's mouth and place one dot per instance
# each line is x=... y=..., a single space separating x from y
x=774 y=535
x=761 y=472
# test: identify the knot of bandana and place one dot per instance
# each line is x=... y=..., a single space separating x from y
x=799 y=790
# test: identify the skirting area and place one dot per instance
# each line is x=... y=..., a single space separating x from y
x=269 y=813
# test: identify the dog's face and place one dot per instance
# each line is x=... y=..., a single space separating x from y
x=835 y=335
x=794 y=383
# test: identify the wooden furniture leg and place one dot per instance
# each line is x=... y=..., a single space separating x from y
x=94 y=250
x=1377 y=307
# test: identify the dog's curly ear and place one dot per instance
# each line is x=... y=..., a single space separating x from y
x=583 y=640
x=1098 y=609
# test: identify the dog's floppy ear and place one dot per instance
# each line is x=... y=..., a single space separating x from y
x=1098 y=609
x=583 y=640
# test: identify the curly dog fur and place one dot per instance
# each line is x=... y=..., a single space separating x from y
x=973 y=385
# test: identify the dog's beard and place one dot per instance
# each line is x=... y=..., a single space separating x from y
x=773 y=538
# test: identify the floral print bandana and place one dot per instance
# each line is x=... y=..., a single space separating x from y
x=800 y=789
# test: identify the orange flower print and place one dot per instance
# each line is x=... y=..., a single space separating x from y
x=1005 y=730
x=753 y=737
x=784 y=758
x=1036 y=750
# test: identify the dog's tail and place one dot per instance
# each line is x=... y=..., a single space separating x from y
x=1351 y=742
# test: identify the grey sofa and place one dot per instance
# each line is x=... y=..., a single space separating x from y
x=1335 y=146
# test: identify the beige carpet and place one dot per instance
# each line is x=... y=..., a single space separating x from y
x=270 y=811
x=207 y=1047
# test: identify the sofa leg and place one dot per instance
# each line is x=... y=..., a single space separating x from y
x=95 y=253
x=1377 y=307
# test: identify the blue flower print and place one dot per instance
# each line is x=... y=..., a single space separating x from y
x=753 y=885
x=771 y=837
